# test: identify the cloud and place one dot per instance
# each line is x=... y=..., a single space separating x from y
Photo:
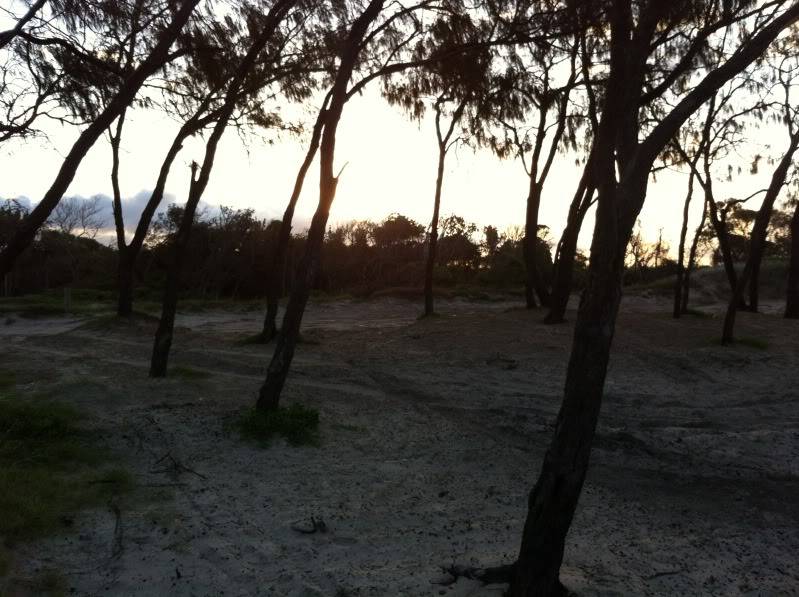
x=133 y=206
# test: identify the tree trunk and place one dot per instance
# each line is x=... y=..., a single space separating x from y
x=720 y=228
x=163 y=335
x=166 y=324
x=679 y=283
x=128 y=257
x=276 y=373
x=792 y=294
x=125 y=283
x=160 y=54
x=754 y=284
x=686 y=287
x=554 y=498
x=567 y=251
x=534 y=283
x=757 y=244
x=432 y=241
x=119 y=222
x=275 y=280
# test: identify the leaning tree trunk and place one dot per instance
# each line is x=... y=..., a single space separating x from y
x=163 y=335
x=757 y=244
x=679 y=283
x=276 y=373
x=720 y=228
x=432 y=241
x=567 y=252
x=792 y=293
x=276 y=277
x=686 y=287
x=754 y=284
x=26 y=231
x=554 y=498
x=166 y=325
x=534 y=282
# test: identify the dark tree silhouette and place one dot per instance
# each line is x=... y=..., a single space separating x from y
x=163 y=336
x=351 y=46
x=536 y=66
x=154 y=61
x=792 y=292
x=789 y=116
x=277 y=274
x=617 y=148
x=446 y=139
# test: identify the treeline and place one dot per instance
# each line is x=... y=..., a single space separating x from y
x=228 y=256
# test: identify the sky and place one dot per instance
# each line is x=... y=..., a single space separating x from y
x=389 y=166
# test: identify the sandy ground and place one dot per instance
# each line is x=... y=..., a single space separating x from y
x=432 y=434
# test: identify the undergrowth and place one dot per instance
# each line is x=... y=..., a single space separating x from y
x=50 y=466
x=298 y=424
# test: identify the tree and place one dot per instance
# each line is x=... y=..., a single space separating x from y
x=789 y=116
x=534 y=68
x=350 y=49
x=265 y=34
x=402 y=41
x=566 y=253
x=155 y=60
x=634 y=36
x=792 y=291
x=445 y=140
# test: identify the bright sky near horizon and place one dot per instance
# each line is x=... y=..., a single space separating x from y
x=390 y=167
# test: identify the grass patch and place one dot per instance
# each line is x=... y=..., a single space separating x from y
x=757 y=343
x=698 y=313
x=748 y=341
x=7 y=379
x=251 y=339
x=184 y=372
x=50 y=467
x=298 y=424
x=51 y=303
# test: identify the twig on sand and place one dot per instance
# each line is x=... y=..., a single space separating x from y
x=175 y=467
x=488 y=576
x=664 y=573
x=116 y=547
x=317 y=526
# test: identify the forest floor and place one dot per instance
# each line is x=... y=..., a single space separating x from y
x=432 y=433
